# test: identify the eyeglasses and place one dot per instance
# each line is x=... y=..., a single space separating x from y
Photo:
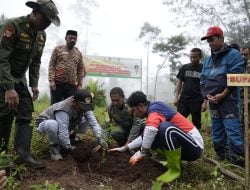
x=211 y=39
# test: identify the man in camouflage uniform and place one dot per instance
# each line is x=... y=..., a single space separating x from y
x=66 y=69
x=21 y=45
x=127 y=127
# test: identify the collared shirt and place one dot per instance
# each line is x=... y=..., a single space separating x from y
x=21 y=49
x=66 y=66
x=130 y=124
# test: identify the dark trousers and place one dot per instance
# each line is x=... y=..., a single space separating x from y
x=226 y=130
x=170 y=137
x=23 y=115
x=193 y=108
x=62 y=92
x=120 y=134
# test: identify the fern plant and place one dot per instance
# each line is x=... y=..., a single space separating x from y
x=98 y=92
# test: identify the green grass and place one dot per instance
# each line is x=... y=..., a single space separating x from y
x=39 y=142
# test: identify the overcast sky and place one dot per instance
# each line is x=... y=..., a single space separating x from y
x=115 y=25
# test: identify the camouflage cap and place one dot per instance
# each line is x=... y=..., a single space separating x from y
x=49 y=9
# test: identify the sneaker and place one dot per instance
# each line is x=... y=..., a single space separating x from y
x=55 y=152
x=56 y=157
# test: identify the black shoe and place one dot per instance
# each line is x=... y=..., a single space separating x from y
x=239 y=162
x=30 y=162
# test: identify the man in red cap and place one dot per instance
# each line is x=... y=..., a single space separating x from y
x=213 y=31
x=223 y=100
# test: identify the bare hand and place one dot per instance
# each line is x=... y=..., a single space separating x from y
x=97 y=148
x=12 y=99
x=176 y=102
x=79 y=87
x=204 y=106
x=35 y=92
x=215 y=99
x=52 y=85
x=119 y=149
x=3 y=179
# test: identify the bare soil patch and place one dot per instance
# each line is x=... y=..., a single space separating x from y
x=83 y=169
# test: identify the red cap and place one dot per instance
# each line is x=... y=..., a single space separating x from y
x=213 y=31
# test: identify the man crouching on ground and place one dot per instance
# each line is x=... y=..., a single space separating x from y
x=71 y=114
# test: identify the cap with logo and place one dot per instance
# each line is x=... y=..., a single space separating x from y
x=85 y=99
x=213 y=31
x=49 y=9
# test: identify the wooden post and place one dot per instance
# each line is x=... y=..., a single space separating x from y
x=243 y=80
x=246 y=123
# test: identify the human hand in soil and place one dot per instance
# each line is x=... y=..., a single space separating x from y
x=119 y=149
x=103 y=143
x=97 y=148
x=137 y=157
x=3 y=179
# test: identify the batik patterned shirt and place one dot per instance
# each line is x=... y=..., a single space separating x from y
x=66 y=66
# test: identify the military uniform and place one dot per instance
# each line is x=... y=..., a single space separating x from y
x=21 y=48
x=127 y=127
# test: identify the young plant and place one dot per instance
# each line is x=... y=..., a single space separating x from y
x=47 y=186
x=13 y=171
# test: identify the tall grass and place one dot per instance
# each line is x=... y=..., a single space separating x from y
x=39 y=142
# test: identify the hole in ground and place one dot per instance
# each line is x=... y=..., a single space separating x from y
x=115 y=165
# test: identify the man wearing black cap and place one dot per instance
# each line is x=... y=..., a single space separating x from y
x=66 y=69
x=22 y=41
x=223 y=100
x=61 y=118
